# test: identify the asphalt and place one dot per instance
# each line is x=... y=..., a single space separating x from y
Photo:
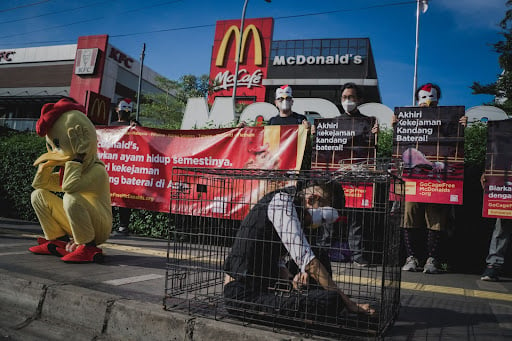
x=43 y=298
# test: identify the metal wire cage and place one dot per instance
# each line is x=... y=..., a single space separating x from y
x=230 y=258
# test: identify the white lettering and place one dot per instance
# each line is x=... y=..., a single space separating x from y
x=226 y=80
x=318 y=60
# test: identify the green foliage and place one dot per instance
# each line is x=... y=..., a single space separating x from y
x=385 y=143
x=502 y=88
x=145 y=223
x=19 y=151
x=165 y=110
x=475 y=144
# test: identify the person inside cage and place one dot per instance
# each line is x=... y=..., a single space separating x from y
x=272 y=231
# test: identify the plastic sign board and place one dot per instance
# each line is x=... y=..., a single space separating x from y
x=428 y=144
x=498 y=172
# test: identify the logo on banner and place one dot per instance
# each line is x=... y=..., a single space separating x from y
x=85 y=61
x=234 y=30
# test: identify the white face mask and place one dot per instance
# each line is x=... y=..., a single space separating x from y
x=286 y=105
x=323 y=215
x=348 y=105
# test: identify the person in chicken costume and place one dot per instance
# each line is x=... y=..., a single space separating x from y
x=74 y=225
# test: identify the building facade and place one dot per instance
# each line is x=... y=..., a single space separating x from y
x=315 y=68
x=93 y=72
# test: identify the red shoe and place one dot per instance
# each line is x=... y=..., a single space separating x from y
x=44 y=248
x=41 y=240
x=58 y=251
x=84 y=254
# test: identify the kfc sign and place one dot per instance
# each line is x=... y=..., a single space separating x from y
x=6 y=56
x=255 y=46
x=120 y=57
x=85 y=61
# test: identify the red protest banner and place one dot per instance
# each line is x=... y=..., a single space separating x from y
x=498 y=176
x=429 y=144
x=140 y=160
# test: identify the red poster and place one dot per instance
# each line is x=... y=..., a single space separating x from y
x=140 y=160
x=429 y=146
x=498 y=176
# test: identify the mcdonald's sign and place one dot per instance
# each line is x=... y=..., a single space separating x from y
x=98 y=108
x=258 y=58
x=255 y=42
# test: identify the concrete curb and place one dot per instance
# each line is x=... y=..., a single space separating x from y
x=43 y=309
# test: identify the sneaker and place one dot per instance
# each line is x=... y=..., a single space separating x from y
x=491 y=273
x=121 y=231
x=83 y=254
x=430 y=266
x=44 y=248
x=361 y=262
x=411 y=264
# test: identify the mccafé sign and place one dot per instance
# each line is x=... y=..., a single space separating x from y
x=254 y=48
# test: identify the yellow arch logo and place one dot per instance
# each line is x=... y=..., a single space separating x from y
x=258 y=48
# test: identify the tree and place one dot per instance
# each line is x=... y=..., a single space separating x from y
x=165 y=109
x=502 y=88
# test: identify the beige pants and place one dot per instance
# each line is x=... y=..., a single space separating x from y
x=421 y=215
x=73 y=216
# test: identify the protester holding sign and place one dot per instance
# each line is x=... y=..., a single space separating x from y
x=430 y=215
x=497 y=185
x=351 y=98
x=123 y=110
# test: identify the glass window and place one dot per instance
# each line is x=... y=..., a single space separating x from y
x=282 y=44
x=335 y=43
x=307 y=52
x=299 y=44
x=326 y=51
x=308 y=43
x=290 y=44
x=315 y=51
x=317 y=43
x=326 y=43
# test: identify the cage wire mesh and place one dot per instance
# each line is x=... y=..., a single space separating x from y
x=234 y=254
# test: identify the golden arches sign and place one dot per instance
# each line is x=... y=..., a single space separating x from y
x=98 y=111
x=258 y=48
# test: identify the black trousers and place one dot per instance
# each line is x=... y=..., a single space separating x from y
x=288 y=306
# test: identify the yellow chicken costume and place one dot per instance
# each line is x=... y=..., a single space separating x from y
x=82 y=219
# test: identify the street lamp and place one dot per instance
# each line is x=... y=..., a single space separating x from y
x=238 y=52
x=424 y=6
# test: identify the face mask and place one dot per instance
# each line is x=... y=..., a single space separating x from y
x=323 y=215
x=348 y=105
x=286 y=105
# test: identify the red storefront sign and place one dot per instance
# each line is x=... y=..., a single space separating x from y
x=254 y=52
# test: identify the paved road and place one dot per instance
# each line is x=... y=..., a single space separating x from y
x=44 y=298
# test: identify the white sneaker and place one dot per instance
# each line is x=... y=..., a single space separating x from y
x=430 y=266
x=411 y=264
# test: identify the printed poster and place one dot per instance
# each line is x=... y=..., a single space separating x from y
x=140 y=160
x=343 y=144
x=498 y=176
x=428 y=144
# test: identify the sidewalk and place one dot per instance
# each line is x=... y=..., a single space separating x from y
x=43 y=298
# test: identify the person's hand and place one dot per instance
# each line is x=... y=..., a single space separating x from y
x=306 y=124
x=300 y=280
x=463 y=120
x=394 y=119
x=71 y=246
x=242 y=124
x=375 y=128
x=482 y=180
